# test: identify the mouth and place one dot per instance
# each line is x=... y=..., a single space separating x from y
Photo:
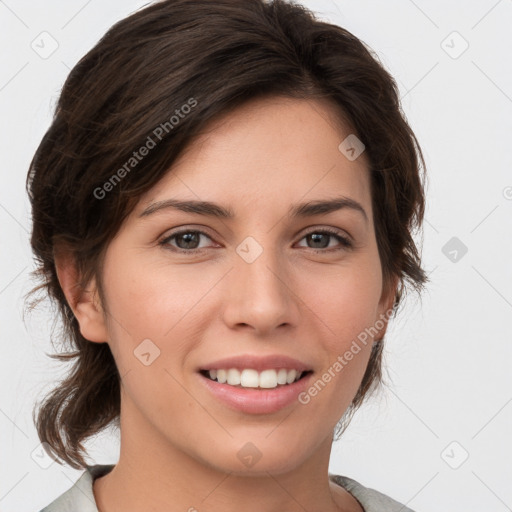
x=256 y=384
x=250 y=378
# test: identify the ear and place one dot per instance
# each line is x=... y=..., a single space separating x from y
x=84 y=303
x=385 y=306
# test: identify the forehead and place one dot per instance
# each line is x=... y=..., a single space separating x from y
x=268 y=152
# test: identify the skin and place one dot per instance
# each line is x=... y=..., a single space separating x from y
x=179 y=444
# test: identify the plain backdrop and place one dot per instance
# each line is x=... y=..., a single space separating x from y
x=438 y=436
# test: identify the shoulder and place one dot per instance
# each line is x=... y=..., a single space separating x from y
x=370 y=499
x=80 y=497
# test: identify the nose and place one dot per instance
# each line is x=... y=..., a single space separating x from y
x=260 y=294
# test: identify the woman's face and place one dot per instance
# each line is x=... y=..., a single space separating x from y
x=267 y=284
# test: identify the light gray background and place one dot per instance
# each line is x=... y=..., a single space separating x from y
x=448 y=358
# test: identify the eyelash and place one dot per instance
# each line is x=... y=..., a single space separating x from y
x=344 y=241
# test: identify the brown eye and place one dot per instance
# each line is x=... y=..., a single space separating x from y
x=185 y=240
x=320 y=239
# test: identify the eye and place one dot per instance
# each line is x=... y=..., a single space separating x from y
x=319 y=237
x=187 y=240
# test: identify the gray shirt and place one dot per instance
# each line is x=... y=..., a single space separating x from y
x=80 y=497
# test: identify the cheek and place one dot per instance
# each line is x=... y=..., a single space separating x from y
x=344 y=303
x=151 y=301
x=152 y=326
x=345 y=308
x=147 y=302
x=345 y=322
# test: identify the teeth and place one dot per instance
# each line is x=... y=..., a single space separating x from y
x=233 y=377
x=281 y=376
x=249 y=378
x=290 y=376
x=268 y=379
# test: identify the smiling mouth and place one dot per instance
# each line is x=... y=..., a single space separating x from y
x=250 y=378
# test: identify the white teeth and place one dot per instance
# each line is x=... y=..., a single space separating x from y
x=281 y=376
x=268 y=379
x=233 y=377
x=290 y=377
x=249 y=378
x=221 y=376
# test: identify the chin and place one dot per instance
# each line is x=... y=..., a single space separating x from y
x=256 y=458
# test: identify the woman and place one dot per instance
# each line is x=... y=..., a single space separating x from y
x=223 y=211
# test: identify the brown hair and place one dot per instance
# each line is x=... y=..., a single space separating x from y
x=212 y=56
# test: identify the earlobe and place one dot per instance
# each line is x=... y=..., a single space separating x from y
x=385 y=308
x=84 y=303
x=388 y=298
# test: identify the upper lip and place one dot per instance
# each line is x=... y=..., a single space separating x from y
x=258 y=363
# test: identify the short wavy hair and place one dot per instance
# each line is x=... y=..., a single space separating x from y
x=222 y=53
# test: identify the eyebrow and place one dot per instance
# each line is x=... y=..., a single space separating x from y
x=301 y=210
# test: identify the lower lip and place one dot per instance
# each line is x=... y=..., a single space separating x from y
x=256 y=400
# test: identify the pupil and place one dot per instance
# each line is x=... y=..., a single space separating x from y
x=189 y=238
x=315 y=237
